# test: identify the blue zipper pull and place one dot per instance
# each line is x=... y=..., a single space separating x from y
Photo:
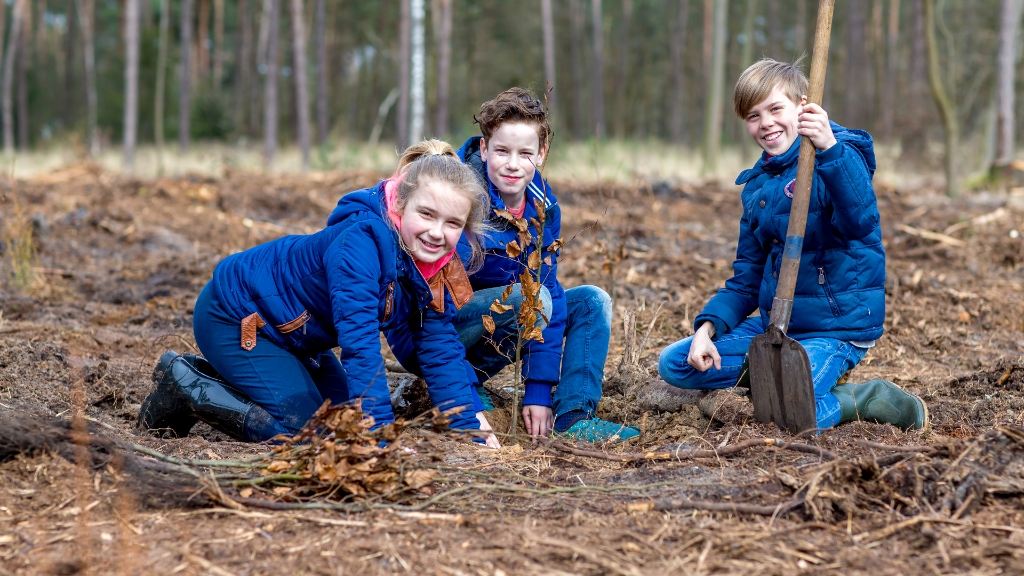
x=821 y=276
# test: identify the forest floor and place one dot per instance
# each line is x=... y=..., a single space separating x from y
x=119 y=263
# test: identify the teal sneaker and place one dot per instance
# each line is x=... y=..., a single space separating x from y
x=597 y=430
x=485 y=398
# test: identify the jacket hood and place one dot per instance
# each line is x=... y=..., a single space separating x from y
x=859 y=140
x=367 y=199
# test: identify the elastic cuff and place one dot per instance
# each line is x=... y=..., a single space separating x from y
x=537 y=394
x=720 y=326
x=830 y=155
x=478 y=405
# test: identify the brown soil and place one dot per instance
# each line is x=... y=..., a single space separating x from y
x=120 y=263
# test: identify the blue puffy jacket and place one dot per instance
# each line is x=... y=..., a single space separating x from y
x=840 y=290
x=542 y=361
x=340 y=287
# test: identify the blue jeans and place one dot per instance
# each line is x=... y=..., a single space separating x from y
x=587 y=330
x=830 y=359
x=288 y=387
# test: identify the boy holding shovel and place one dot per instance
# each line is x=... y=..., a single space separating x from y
x=839 y=302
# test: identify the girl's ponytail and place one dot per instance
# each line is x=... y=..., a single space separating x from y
x=424 y=148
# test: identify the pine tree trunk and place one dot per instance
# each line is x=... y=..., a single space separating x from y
x=404 y=54
x=713 y=114
x=8 y=80
x=548 y=29
x=891 y=58
x=322 y=120
x=913 y=127
x=270 y=84
x=444 y=64
x=218 y=44
x=301 y=85
x=202 y=37
x=854 y=89
x=418 y=87
x=243 y=66
x=70 y=104
x=677 y=45
x=620 y=80
x=577 y=23
x=947 y=108
x=131 y=81
x=185 y=82
x=161 y=82
x=598 y=74
x=747 y=52
x=23 y=60
x=258 y=89
x=708 y=38
x=86 y=10
x=1009 y=23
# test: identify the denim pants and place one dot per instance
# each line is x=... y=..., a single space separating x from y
x=585 y=349
x=286 y=386
x=830 y=359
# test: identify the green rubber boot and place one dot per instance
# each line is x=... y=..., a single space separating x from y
x=881 y=401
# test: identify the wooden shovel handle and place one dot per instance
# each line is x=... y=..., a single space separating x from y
x=782 y=306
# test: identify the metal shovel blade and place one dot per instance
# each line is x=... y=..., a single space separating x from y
x=781 y=386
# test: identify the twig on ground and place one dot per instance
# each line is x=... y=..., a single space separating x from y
x=687 y=504
x=692 y=454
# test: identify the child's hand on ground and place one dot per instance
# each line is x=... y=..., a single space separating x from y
x=813 y=124
x=485 y=426
x=539 y=420
x=703 y=353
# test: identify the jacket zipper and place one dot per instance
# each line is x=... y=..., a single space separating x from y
x=828 y=291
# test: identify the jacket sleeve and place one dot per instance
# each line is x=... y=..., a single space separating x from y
x=353 y=278
x=733 y=303
x=542 y=361
x=844 y=172
x=442 y=363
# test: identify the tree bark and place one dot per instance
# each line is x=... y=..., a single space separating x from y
x=855 y=89
x=8 y=80
x=404 y=54
x=747 y=51
x=202 y=38
x=891 y=58
x=131 y=81
x=320 y=48
x=261 y=62
x=444 y=64
x=243 y=66
x=218 y=44
x=86 y=10
x=598 y=73
x=70 y=103
x=270 y=84
x=708 y=38
x=24 y=56
x=301 y=85
x=913 y=126
x=713 y=115
x=1009 y=23
x=620 y=80
x=677 y=46
x=548 y=30
x=418 y=89
x=947 y=108
x=577 y=25
x=185 y=82
x=161 y=81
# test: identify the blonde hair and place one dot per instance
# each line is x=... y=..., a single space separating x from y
x=435 y=160
x=758 y=81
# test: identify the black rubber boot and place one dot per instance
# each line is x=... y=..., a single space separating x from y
x=188 y=389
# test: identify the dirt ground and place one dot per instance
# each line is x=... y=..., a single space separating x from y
x=119 y=263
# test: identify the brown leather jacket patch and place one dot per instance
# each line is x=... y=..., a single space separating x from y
x=250 y=324
x=294 y=324
x=454 y=277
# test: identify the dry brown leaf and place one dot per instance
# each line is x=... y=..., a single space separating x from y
x=280 y=490
x=279 y=466
x=498 y=308
x=556 y=245
x=513 y=249
x=419 y=478
x=500 y=213
x=245 y=492
x=488 y=324
x=533 y=262
x=507 y=292
x=534 y=333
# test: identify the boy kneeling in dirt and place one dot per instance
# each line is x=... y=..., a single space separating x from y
x=839 y=304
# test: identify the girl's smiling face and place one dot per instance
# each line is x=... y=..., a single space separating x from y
x=773 y=122
x=433 y=220
x=513 y=154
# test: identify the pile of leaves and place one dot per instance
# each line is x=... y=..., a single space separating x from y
x=338 y=455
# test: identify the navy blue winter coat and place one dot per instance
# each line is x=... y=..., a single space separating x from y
x=341 y=287
x=542 y=361
x=840 y=290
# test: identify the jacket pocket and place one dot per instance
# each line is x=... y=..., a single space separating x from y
x=294 y=325
x=823 y=281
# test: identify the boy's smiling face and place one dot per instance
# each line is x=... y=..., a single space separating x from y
x=773 y=122
x=513 y=153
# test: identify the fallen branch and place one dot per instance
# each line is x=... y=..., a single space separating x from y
x=687 y=504
x=929 y=235
x=693 y=454
x=880 y=446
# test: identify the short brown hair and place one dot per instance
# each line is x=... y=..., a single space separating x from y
x=514 y=105
x=758 y=81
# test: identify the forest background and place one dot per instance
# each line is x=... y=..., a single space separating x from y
x=643 y=83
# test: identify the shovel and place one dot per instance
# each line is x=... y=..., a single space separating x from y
x=781 y=385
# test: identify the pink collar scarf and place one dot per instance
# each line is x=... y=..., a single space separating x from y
x=428 y=270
